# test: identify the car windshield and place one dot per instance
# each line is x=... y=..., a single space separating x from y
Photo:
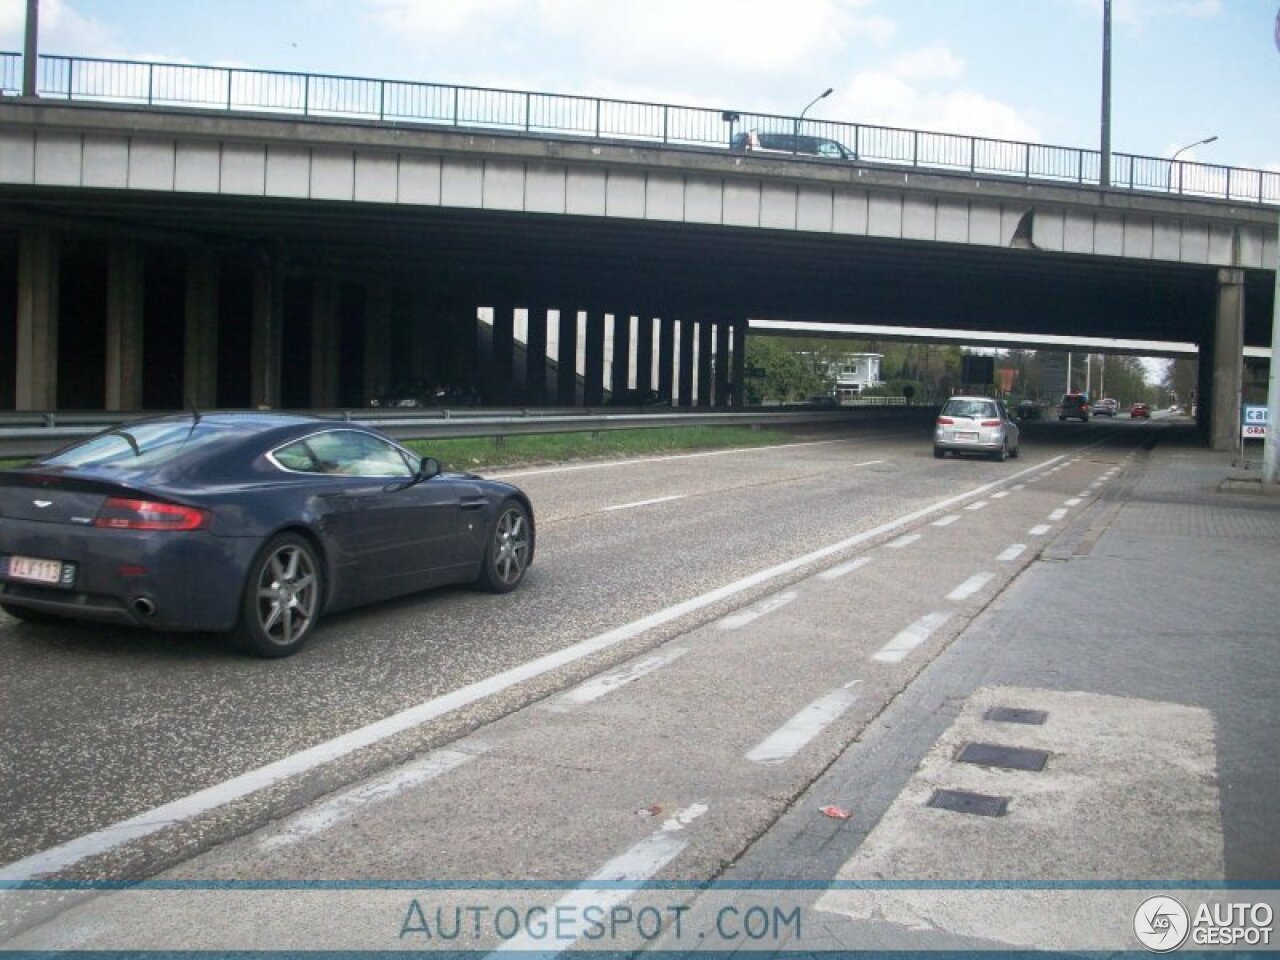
x=970 y=408
x=137 y=445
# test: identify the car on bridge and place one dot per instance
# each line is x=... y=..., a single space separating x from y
x=976 y=425
x=791 y=144
x=248 y=524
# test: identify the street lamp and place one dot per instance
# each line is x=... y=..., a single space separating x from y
x=1173 y=161
x=799 y=120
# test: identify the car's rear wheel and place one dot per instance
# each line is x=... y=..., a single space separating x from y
x=282 y=598
x=510 y=546
x=939 y=453
x=27 y=615
x=1002 y=454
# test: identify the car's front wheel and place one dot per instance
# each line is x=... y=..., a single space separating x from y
x=510 y=547
x=282 y=598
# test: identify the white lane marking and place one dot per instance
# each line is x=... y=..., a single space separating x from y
x=1039 y=530
x=1012 y=552
x=333 y=811
x=184 y=808
x=897 y=649
x=646 y=503
x=740 y=619
x=1057 y=514
x=904 y=541
x=614 y=883
x=868 y=463
x=785 y=742
x=605 y=464
x=999 y=494
x=946 y=521
x=836 y=572
x=1018 y=486
x=1073 y=502
x=980 y=505
x=597 y=687
x=970 y=586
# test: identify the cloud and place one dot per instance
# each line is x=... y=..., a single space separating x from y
x=929 y=63
x=63 y=29
x=886 y=99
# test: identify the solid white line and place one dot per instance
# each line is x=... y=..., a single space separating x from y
x=897 y=649
x=603 y=464
x=321 y=817
x=836 y=572
x=646 y=503
x=970 y=586
x=785 y=742
x=202 y=801
x=1012 y=553
x=740 y=619
x=946 y=521
x=904 y=541
x=1039 y=530
x=614 y=883
x=597 y=687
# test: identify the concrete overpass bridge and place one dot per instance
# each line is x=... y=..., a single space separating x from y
x=185 y=235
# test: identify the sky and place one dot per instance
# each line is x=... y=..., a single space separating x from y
x=1029 y=70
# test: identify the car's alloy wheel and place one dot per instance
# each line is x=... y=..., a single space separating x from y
x=510 y=545
x=282 y=600
x=1002 y=454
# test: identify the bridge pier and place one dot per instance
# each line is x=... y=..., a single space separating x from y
x=36 y=355
x=200 y=340
x=722 y=361
x=1227 y=365
x=126 y=284
x=666 y=359
x=620 y=381
x=593 y=360
x=739 y=386
x=266 y=334
x=567 y=359
x=684 y=362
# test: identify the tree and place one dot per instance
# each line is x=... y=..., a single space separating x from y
x=783 y=370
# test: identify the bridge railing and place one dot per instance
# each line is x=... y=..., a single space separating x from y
x=233 y=89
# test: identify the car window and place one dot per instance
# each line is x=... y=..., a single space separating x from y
x=348 y=453
x=970 y=408
x=134 y=445
x=829 y=148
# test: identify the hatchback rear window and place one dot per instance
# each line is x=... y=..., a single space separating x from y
x=969 y=408
x=138 y=445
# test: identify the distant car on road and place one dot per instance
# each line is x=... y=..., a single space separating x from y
x=976 y=425
x=1106 y=407
x=1140 y=411
x=253 y=525
x=1074 y=406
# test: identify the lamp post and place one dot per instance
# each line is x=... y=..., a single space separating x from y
x=1173 y=161
x=800 y=119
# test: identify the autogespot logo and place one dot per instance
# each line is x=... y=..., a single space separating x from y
x=1161 y=924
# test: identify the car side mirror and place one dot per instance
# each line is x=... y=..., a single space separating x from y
x=428 y=467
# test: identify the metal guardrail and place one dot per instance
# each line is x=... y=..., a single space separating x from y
x=29 y=435
x=231 y=89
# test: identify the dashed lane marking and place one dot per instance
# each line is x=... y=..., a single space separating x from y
x=789 y=739
x=897 y=649
x=970 y=586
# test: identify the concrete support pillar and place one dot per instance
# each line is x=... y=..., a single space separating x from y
x=377 y=341
x=267 y=335
x=666 y=359
x=706 y=341
x=502 y=363
x=326 y=342
x=200 y=340
x=740 y=363
x=567 y=359
x=1228 y=353
x=36 y=381
x=593 y=361
x=125 y=291
x=684 y=371
x=621 y=355
x=722 y=363
x=535 y=357
x=644 y=355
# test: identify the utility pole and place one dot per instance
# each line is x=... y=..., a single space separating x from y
x=1106 y=94
x=30 y=52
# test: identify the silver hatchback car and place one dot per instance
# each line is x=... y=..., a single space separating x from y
x=975 y=425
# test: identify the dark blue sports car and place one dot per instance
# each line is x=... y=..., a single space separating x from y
x=251 y=524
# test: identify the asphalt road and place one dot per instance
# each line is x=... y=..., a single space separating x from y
x=692 y=553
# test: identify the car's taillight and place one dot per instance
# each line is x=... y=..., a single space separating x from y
x=122 y=513
x=991 y=423
x=945 y=421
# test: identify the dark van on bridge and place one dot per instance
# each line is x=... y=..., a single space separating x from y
x=792 y=145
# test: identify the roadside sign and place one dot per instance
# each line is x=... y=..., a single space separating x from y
x=1254 y=421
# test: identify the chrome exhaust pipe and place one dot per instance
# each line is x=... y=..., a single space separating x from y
x=144 y=607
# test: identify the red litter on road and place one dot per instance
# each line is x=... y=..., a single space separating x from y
x=836 y=813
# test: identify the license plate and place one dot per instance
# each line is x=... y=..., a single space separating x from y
x=35 y=570
x=966 y=435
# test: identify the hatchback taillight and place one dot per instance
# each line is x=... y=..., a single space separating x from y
x=991 y=423
x=945 y=421
x=122 y=513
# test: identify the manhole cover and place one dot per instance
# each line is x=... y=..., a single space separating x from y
x=960 y=801
x=1012 y=758
x=1015 y=715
